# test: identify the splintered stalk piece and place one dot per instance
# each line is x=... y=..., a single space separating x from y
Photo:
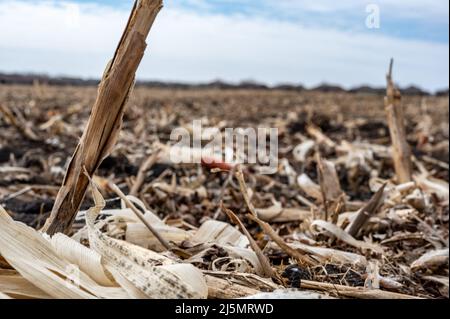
x=366 y=212
x=396 y=122
x=244 y=190
x=105 y=120
x=330 y=186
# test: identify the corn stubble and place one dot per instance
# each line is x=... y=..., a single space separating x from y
x=347 y=215
x=105 y=120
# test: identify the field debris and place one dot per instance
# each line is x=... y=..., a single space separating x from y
x=377 y=239
x=358 y=205
x=105 y=121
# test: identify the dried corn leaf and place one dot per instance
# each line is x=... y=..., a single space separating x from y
x=309 y=187
x=329 y=255
x=139 y=266
x=16 y=286
x=302 y=150
x=139 y=234
x=441 y=280
x=431 y=260
x=37 y=261
x=4 y=296
x=278 y=214
x=245 y=254
x=88 y=260
x=344 y=236
x=434 y=186
x=217 y=232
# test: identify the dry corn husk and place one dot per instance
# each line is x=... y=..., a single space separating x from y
x=431 y=260
x=441 y=280
x=223 y=235
x=434 y=186
x=325 y=255
x=278 y=214
x=301 y=151
x=237 y=257
x=344 y=236
x=138 y=265
x=125 y=224
x=28 y=252
x=185 y=154
x=183 y=191
x=217 y=232
x=61 y=267
x=17 y=286
x=139 y=234
x=309 y=187
x=4 y=296
x=88 y=260
x=245 y=254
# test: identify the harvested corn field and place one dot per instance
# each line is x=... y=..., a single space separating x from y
x=334 y=157
x=220 y=191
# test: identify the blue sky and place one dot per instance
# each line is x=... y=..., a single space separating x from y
x=413 y=24
x=273 y=41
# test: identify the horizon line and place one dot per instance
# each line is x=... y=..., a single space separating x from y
x=87 y=81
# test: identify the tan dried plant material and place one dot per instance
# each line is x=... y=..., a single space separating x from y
x=366 y=212
x=309 y=187
x=297 y=254
x=325 y=255
x=266 y=268
x=431 y=260
x=213 y=231
x=19 y=123
x=354 y=292
x=328 y=179
x=278 y=214
x=340 y=234
x=396 y=122
x=34 y=257
x=16 y=286
x=60 y=267
x=137 y=265
x=219 y=288
x=105 y=120
x=346 y=221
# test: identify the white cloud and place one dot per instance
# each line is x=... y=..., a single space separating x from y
x=431 y=11
x=417 y=8
x=187 y=46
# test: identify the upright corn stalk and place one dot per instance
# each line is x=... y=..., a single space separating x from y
x=396 y=122
x=105 y=120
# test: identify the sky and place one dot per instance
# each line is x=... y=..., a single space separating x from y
x=309 y=42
